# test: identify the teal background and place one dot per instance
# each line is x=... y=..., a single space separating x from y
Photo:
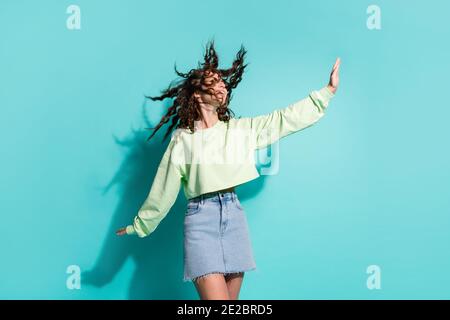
x=366 y=185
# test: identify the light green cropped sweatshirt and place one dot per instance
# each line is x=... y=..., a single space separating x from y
x=221 y=156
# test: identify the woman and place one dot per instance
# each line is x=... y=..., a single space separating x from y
x=209 y=154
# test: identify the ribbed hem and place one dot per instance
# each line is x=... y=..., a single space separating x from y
x=130 y=230
x=326 y=93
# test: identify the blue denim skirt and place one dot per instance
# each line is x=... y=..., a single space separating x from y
x=216 y=236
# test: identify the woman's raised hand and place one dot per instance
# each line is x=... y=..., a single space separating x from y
x=334 y=76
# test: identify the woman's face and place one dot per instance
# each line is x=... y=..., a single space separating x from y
x=217 y=90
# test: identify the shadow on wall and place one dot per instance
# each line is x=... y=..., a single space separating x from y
x=159 y=257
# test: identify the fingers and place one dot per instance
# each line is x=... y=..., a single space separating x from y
x=336 y=65
x=334 y=76
x=121 y=232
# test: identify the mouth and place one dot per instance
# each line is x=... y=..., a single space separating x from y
x=221 y=96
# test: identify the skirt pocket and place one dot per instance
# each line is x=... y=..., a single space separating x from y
x=238 y=204
x=193 y=208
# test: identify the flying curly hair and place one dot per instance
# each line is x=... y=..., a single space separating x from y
x=185 y=108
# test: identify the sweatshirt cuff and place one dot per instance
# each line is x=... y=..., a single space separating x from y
x=326 y=93
x=130 y=230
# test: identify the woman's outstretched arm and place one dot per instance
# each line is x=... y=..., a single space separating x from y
x=302 y=114
x=162 y=196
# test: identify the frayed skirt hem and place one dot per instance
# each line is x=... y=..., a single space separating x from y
x=193 y=279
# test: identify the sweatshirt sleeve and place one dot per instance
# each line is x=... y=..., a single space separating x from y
x=162 y=196
x=271 y=127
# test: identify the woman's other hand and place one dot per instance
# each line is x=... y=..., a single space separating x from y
x=121 y=231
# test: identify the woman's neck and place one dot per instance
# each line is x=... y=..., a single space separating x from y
x=206 y=123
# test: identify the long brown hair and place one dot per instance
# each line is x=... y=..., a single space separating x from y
x=185 y=108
